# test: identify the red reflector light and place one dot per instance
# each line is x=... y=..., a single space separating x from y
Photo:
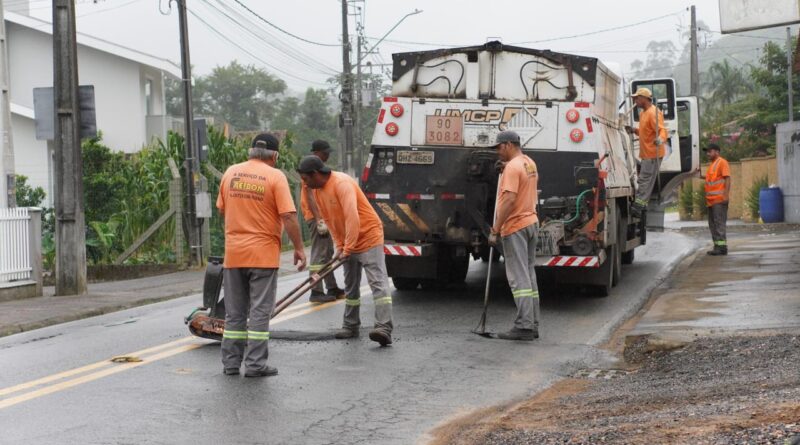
x=390 y=99
x=452 y=196
x=396 y=110
x=576 y=135
x=365 y=176
x=573 y=115
x=581 y=104
x=370 y=195
x=589 y=127
x=413 y=196
x=381 y=115
x=392 y=129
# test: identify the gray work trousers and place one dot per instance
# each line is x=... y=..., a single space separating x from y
x=648 y=174
x=519 y=250
x=249 y=293
x=717 y=220
x=321 y=253
x=373 y=262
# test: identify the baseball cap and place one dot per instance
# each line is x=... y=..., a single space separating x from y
x=320 y=145
x=311 y=164
x=266 y=140
x=644 y=92
x=506 y=136
x=712 y=146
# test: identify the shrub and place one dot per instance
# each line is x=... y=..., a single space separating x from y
x=752 y=199
x=685 y=198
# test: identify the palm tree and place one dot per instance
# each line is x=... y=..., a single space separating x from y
x=726 y=83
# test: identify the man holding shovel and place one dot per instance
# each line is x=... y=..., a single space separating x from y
x=517 y=225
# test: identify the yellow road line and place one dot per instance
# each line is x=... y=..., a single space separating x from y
x=82 y=369
x=11 y=401
x=94 y=376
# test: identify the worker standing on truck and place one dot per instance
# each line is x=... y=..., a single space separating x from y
x=518 y=225
x=718 y=191
x=358 y=234
x=255 y=202
x=652 y=137
x=321 y=244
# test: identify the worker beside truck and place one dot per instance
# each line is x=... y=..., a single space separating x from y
x=358 y=234
x=652 y=139
x=518 y=225
x=256 y=204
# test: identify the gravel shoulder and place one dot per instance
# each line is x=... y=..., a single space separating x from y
x=732 y=390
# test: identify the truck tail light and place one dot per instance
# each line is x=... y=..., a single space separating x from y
x=576 y=135
x=396 y=110
x=573 y=115
x=392 y=129
x=365 y=172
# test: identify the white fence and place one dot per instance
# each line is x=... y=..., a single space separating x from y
x=15 y=249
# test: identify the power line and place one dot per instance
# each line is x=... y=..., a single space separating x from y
x=255 y=57
x=287 y=50
x=283 y=30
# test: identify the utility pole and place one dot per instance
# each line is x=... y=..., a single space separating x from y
x=359 y=161
x=70 y=224
x=695 y=70
x=191 y=168
x=7 y=195
x=346 y=96
x=789 y=72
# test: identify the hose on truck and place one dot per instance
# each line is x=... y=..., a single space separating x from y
x=577 y=208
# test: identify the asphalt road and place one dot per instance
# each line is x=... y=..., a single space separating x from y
x=58 y=386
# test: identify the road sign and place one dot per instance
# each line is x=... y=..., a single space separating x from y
x=748 y=15
x=44 y=114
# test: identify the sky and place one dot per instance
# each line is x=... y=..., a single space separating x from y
x=223 y=30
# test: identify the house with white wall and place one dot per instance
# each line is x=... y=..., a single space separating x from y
x=128 y=85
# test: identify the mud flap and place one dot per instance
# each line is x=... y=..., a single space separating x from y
x=212 y=287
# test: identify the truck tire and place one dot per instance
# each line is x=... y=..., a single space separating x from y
x=627 y=257
x=402 y=283
x=622 y=235
x=606 y=273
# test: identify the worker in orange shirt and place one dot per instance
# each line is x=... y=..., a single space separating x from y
x=256 y=203
x=358 y=235
x=518 y=226
x=718 y=192
x=652 y=139
x=321 y=244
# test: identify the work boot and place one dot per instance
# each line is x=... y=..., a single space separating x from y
x=717 y=251
x=231 y=371
x=519 y=334
x=320 y=297
x=266 y=372
x=345 y=332
x=337 y=293
x=380 y=336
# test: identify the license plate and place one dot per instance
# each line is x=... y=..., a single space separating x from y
x=414 y=157
x=444 y=130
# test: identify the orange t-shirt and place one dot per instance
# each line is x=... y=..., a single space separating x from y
x=520 y=176
x=647 y=134
x=307 y=215
x=715 y=181
x=252 y=196
x=352 y=221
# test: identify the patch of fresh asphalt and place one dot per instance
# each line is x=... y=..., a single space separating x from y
x=327 y=391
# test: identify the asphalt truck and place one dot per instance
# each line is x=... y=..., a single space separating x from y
x=432 y=178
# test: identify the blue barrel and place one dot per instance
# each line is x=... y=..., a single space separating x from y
x=770 y=204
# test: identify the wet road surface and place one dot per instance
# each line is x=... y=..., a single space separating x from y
x=58 y=386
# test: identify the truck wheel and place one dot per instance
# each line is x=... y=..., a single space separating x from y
x=627 y=257
x=401 y=283
x=606 y=273
x=622 y=234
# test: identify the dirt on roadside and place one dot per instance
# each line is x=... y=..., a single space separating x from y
x=729 y=390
